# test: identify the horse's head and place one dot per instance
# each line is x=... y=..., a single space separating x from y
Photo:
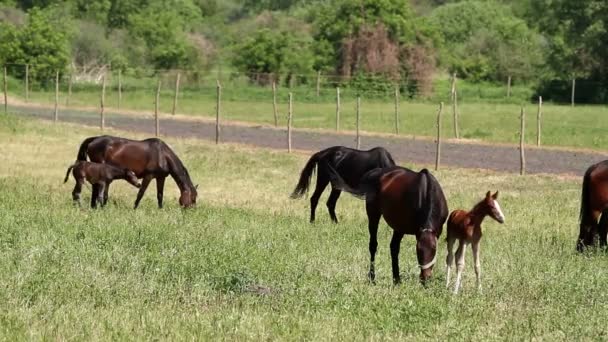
x=492 y=207
x=132 y=178
x=426 y=251
x=188 y=197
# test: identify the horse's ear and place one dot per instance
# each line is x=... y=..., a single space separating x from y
x=489 y=194
x=196 y=187
x=495 y=196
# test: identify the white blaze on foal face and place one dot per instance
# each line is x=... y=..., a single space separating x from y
x=499 y=215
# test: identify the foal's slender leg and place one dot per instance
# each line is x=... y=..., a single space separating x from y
x=76 y=192
x=94 y=195
x=322 y=181
x=142 y=190
x=449 y=262
x=331 y=203
x=373 y=217
x=106 y=194
x=475 y=248
x=395 y=245
x=100 y=195
x=160 y=186
x=462 y=246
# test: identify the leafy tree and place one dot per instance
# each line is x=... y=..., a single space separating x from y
x=484 y=40
x=272 y=52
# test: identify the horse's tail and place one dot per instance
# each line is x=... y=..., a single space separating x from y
x=82 y=151
x=67 y=174
x=305 y=175
x=585 y=212
x=386 y=160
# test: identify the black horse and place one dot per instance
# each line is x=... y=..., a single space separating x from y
x=148 y=159
x=351 y=165
x=412 y=203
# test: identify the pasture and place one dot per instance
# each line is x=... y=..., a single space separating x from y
x=494 y=119
x=246 y=264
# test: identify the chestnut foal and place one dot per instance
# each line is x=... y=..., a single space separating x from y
x=99 y=174
x=466 y=228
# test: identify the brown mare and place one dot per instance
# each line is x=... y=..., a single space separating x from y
x=594 y=206
x=97 y=174
x=351 y=164
x=148 y=159
x=466 y=228
x=411 y=203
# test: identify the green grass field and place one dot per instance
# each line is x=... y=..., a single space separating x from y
x=246 y=264
x=582 y=126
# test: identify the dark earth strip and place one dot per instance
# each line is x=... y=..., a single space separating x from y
x=500 y=158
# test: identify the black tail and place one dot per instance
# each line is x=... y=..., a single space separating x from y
x=386 y=159
x=584 y=213
x=305 y=176
x=82 y=151
x=67 y=174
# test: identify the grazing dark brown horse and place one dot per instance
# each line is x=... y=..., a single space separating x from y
x=351 y=165
x=594 y=206
x=148 y=159
x=465 y=226
x=97 y=174
x=411 y=203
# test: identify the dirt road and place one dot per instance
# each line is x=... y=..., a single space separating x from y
x=463 y=155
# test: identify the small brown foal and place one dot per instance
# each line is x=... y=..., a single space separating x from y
x=466 y=228
x=97 y=174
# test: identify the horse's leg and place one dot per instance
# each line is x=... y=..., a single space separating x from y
x=160 y=186
x=76 y=193
x=373 y=217
x=142 y=190
x=449 y=261
x=101 y=193
x=322 y=181
x=94 y=195
x=462 y=246
x=475 y=248
x=331 y=204
x=588 y=230
x=395 y=245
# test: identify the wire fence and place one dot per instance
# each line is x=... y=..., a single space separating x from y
x=320 y=103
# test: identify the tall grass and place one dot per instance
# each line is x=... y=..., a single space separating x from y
x=247 y=265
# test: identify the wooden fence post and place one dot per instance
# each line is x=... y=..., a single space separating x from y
x=217 y=112
x=455 y=107
x=397 y=110
x=176 y=93
x=358 y=139
x=509 y=86
x=119 y=87
x=103 y=99
x=5 y=87
x=538 y=120
x=67 y=99
x=318 y=82
x=56 y=112
x=156 y=104
x=289 y=118
x=27 y=83
x=337 y=109
x=438 y=150
x=573 y=89
x=522 y=157
x=274 y=103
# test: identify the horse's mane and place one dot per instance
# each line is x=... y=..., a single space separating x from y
x=428 y=185
x=177 y=168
